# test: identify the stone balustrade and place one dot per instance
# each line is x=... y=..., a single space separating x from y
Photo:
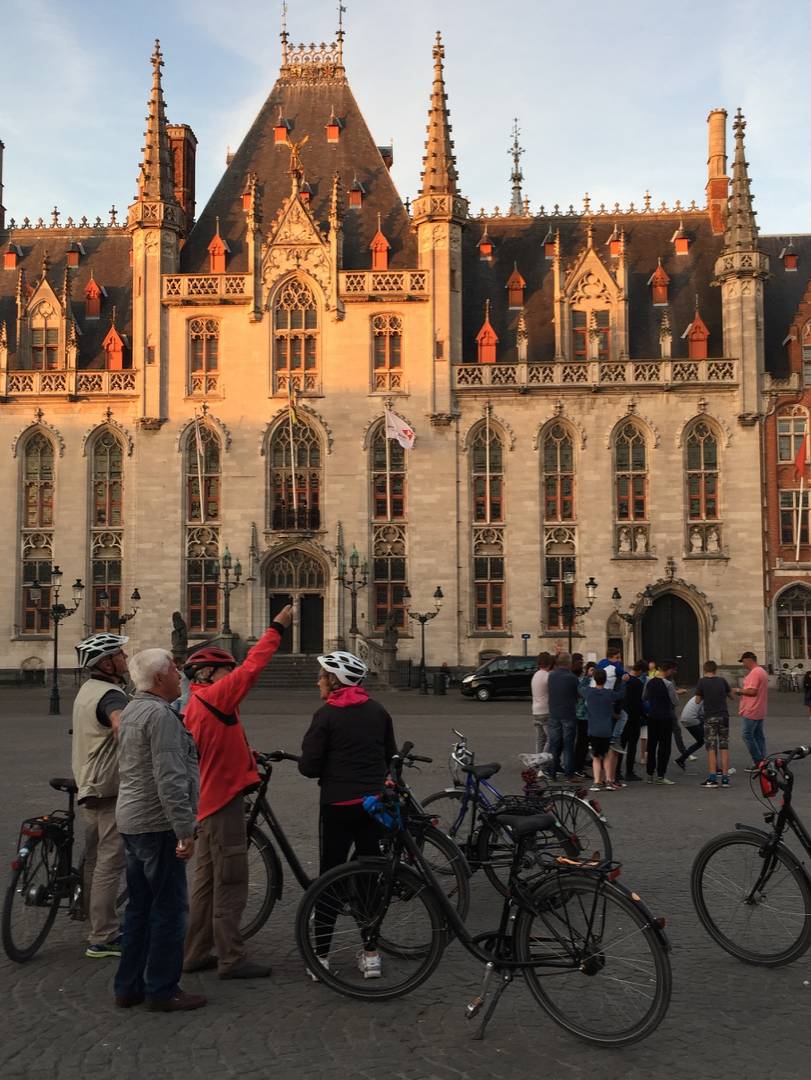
x=363 y=284
x=203 y=288
x=68 y=381
x=594 y=375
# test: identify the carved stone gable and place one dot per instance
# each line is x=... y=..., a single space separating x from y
x=295 y=225
x=296 y=244
x=590 y=281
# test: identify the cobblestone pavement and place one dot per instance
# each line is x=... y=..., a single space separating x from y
x=726 y=1019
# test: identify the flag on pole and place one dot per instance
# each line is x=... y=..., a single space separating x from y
x=290 y=402
x=397 y=428
x=200 y=454
x=800 y=458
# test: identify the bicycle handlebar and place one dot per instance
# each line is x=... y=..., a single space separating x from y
x=274 y=755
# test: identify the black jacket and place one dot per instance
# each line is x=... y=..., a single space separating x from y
x=349 y=750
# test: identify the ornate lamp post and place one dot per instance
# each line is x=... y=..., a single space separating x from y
x=422 y=618
x=631 y=616
x=227 y=586
x=570 y=611
x=111 y=619
x=56 y=612
x=358 y=578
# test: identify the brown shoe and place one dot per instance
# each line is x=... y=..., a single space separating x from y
x=126 y=1001
x=208 y=963
x=246 y=970
x=180 y=1001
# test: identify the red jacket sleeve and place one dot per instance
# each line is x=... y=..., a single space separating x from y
x=227 y=693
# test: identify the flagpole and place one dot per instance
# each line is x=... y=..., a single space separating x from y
x=388 y=465
x=487 y=461
x=799 y=514
x=198 y=443
x=292 y=450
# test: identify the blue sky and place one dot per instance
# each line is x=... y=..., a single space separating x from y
x=611 y=98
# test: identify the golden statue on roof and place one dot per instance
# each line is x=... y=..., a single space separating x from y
x=296 y=168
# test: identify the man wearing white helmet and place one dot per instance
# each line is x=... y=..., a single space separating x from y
x=96 y=714
x=348 y=747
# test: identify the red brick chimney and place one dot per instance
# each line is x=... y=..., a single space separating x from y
x=717 y=179
x=183 y=142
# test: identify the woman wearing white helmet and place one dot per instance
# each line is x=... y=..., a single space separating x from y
x=348 y=748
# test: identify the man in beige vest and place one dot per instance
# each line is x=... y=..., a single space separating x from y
x=96 y=714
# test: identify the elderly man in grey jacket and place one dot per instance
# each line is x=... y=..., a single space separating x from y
x=156 y=810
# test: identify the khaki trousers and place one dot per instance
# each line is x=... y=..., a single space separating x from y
x=219 y=890
x=103 y=869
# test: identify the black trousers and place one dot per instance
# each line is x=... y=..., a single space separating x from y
x=341 y=828
x=630 y=740
x=581 y=744
x=660 y=737
x=677 y=735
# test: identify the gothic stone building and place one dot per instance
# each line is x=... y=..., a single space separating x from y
x=599 y=393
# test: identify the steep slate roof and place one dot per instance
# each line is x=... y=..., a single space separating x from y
x=782 y=295
x=520 y=240
x=107 y=255
x=307 y=106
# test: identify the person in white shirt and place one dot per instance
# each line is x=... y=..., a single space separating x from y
x=540 y=700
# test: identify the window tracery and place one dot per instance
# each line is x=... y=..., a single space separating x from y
x=296 y=337
x=296 y=465
x=387 y=352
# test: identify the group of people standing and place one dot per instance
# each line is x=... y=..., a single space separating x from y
x=162 y=776
x=598 y=707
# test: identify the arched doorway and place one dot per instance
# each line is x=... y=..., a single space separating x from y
x=297 y=577
x=670 y=632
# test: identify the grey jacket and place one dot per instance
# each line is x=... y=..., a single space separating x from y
x=159 y=784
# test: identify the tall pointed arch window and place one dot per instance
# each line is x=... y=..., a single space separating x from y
x=296 y=463
x=487 y=474
x=203 y=492
x=106 y=533
x=204 y=355
x=591 y=326
x=701 y=446
x=558 y=474
x=36 y=533
x=388 y=475
x=44 y=338
x=387 y=352
x=296 y=337
x=487 y=512
x=632 y=535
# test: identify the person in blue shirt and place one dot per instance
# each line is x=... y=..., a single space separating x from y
x=600 y=708
x=615 y=678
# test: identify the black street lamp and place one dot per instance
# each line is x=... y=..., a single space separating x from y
x=422 y=618
x=111 y=618
x=56 y=613
x=227 y=586
x=568 y=610
x=631 y=616
x=359 y=576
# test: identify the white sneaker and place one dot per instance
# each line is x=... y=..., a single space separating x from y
x=370 y=965
x=323 y=962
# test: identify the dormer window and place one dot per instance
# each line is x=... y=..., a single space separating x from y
x=93 y=292
x=680 y=240
x=333 y=127
x=515 y=290
x=788 y=257
x=549 y=245
x=380 y=248
x=113 y=346
x=75 y=252
x=249 y=191
x=659 y=282
x=485 y=246
x=487 y=339
x=281 y=129
x=697 y=335
x=218 y=250
x=11 y=256
x=614 y=243
x=356 y=194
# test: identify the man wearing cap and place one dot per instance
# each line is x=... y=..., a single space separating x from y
x=753 y=697
x=94 y=757
x=219 y=889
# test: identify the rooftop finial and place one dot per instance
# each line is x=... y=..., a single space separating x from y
x=515 y=151
x=283 y=34
x=439 y=176
x=741 y=231
x=341 y=13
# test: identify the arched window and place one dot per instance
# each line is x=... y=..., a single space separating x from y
x=560 y=567
x=203 y=473
x=487 y=474
x=388 y=477
x=389 y=577
x=489 y=599
x=558 y=474
x=106 y=538
x=631 y=474
x=702 y=473
x=295 y=330
x=387 y=352
x=295 y=477
x=791 y=428
x=794 y=625
x=44 y=338
x=204 y=355
x=594 y=325
x=36 y=540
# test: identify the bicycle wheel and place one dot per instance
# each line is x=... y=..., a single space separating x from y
x=756 y=907
x=449 y=809
x=31 y=901
x=448 y=865
x=339 y=910
x=605 y=973
x=580 y=819
x=264 y=883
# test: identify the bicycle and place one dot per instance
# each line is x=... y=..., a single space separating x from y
x=265 y=875
x=593 y=956
x=42 y=877
x=488 y=846
x=751 y=892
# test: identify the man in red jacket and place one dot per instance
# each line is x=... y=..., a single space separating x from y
x=227 y=770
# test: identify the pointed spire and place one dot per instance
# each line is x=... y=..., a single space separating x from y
x=156 y=179
x=336 y=212
x=741 y=231
x=516 y=177
x=439 y=176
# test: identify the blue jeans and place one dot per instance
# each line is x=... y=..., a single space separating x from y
x=155 y=919
x=561 y=734
x=752 y=732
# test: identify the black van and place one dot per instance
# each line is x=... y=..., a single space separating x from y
x=500 y=677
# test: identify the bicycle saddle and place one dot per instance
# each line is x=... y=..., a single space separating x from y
x=521 y=825
x=63 y=784
x=482 y=772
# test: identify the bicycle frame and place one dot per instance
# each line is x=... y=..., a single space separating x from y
x=784 y=818
x=261 y=806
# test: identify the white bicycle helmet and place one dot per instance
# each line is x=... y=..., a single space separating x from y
x=346 y=668
x=97 y=646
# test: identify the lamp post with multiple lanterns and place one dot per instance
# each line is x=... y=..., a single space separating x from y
x=112 y=618
x=56 y=613
x=227 y=566
x=569 y=610
x=357 y=580
x=631 y=616
x=422 y=618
